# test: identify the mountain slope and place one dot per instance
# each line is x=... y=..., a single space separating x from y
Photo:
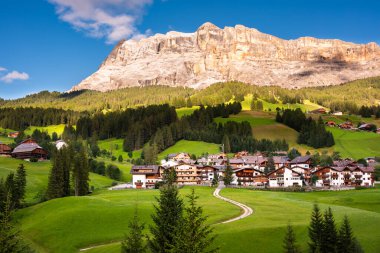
x=212 y=54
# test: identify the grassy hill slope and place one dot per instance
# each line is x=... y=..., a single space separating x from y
x=72 y=223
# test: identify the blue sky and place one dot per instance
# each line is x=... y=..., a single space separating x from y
x=54 y=44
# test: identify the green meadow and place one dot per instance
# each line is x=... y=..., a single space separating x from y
x=68 y=224
x=352 y=144
x=49 y=129
x=186 y=111
x=307 y=105
x=37 y=176
x=192 y=147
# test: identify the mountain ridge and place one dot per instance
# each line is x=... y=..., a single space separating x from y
x=212 y=54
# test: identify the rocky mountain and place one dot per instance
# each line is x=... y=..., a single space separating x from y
x=212 y=54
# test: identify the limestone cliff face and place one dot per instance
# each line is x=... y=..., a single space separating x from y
x=212 y=54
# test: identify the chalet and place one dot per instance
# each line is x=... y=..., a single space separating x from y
x=181 y=157
x=258 y=162
x=284 y=177
x=344 y=176
x=330 y=123
x=346 y=125
x=249 y=176
x=367 y=127
x=301 y=161
x=13 y=134
x=5 y=150
x=208 y=172
x=188 y=174
x=319 y=111
x=29 y=149
x=236 y=163
x=145 y=176
x=281 y=161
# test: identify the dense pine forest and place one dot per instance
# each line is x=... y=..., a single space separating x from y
x=348 y=97
x=21 y=118
x=311 y=132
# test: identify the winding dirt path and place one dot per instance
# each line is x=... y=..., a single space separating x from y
x=247 y=211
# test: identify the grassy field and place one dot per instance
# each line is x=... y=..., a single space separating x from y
x=115 y=146
x=350 y=144
x=50 y=129
x=267 y=106
x=76 y=222
x=4 y=135
x=185 y=111
x=356 y=144
x=37 y=176
x=191 y=147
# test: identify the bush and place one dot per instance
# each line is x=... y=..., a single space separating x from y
x=33 y=160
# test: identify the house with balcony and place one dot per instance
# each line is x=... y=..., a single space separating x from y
x=188 y=174
x=145 y=176
x=284 y=177
x=301 y=161
x=249 y=176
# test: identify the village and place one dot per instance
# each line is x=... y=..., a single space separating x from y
x=252 y=171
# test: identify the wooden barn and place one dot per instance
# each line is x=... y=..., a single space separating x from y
x=29 y=149
x=5 y=149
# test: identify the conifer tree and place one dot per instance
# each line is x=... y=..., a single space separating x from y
x=55 y=188
x=20 y=184
x=329 y=235
x=167 y=216
x=228 y=174
x=315 y=230
x=347 y=243
x=226 y=144
x=290 y=243
x=10 y=240
x=271 y=165
x=192 y=234
x=80 y=173
x=134 y=241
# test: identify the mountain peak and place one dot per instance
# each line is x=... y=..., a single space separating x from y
x=238 y=53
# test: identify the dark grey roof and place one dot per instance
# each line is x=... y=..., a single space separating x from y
x=26 y=147
x=154 y=169
x=300 y=159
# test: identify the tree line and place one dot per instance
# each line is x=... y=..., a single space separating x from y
x=21 y=118
x=311 y=132
x=141 y=123
x=368 y=111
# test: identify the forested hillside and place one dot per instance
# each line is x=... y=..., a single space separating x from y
x=348 y=97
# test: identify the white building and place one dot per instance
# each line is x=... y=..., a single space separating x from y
x=284 y=177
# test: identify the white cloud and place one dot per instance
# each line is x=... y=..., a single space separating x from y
x=14 y=75
x=112 y=19
x=2 y=69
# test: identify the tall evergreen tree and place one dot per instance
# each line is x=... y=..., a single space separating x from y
x=226 y=144
x=270 y=164
x=347 y=243
x=167 y=216
x=290 y=243
x=55 y=188
x=192 y=234
x=20 y=184
x=228 y=174
x=329 y=235
x=134 y=241
x=10 y=240
x=80 y=173
x=315 y=230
